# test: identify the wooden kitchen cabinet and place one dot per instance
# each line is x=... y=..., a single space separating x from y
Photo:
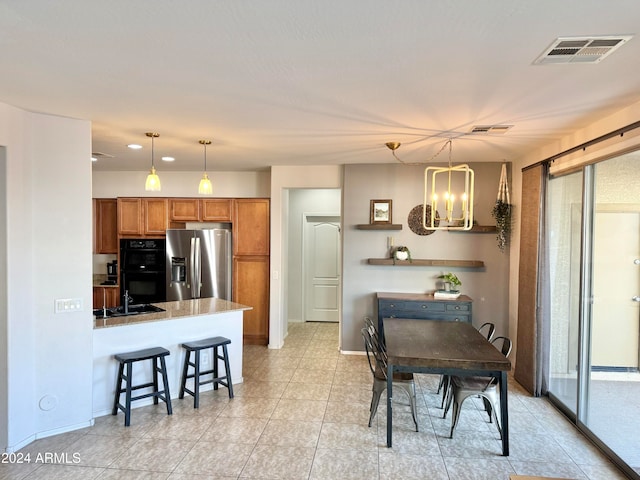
x=138 y=217
x=251 y=265
x=200 y=209
x=215 y=209
x=109 y=296
x=105 y=218
x=184 y=209
x=251 y=287
x=251 y=226
x=156 y=216
x=129 y=216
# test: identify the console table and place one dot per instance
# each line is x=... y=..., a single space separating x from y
x=422 y=306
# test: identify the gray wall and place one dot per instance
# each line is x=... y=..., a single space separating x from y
x=488 y=286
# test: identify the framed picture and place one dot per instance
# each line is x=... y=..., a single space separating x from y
x=380 y=211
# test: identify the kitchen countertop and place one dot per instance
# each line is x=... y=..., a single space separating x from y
x=174 y=310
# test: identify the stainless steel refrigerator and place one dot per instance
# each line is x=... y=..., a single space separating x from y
x=198 y=263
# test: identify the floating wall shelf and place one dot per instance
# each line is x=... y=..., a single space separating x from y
x=476 y=229
x=379 y=226
x=421 y=262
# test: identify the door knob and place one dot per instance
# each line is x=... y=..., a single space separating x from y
x=636 y=298
x=636 y=261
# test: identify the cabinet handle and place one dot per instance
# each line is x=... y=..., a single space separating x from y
x=425 y=306
x=457 y=307
x=457 y=320
x=636 y=298
x=392 y=305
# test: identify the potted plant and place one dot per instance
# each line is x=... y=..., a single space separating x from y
x=502 y=211
x=401 y=253
x=451 y=281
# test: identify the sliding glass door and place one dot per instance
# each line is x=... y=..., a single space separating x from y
x=564 y=228
x=594 y=256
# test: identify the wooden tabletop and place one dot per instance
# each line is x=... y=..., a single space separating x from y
x=440 y=345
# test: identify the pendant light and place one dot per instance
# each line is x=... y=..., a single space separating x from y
x=205 y=187
x=458 y=207
x=153 y=181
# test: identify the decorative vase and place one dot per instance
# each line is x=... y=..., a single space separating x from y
x=402 y=255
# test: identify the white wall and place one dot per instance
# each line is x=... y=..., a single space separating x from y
x=282 y=178
x=303 y=202
x=4 y=425
x=181 y=184
x=48 y=256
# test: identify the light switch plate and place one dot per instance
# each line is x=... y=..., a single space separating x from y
x=67 y=305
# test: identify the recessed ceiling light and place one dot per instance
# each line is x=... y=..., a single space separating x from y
x=168 y=159
x=134 y=146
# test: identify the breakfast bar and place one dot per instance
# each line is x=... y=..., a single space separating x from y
x=180 y=321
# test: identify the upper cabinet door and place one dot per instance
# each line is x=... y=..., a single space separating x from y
x=184 y=209
x=156 y=216
x=106 y=225
x=251 y=226
x=129 y=216
x=216 y=209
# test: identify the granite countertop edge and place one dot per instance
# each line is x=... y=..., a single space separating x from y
x=182 y=309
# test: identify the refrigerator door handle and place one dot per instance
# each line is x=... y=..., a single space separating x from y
x=197 y=269
x=192 y=265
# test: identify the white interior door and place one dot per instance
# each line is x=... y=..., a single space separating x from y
x=616 y=281
x=321 y=268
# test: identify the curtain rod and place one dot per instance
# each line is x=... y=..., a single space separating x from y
x=583 y=146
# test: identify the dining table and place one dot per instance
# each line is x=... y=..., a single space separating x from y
x=447 y=348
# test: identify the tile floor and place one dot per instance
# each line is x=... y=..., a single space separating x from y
x=302 y=413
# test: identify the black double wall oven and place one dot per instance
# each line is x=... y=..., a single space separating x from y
x=142 y=270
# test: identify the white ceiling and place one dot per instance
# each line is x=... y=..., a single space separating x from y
x=300 y=82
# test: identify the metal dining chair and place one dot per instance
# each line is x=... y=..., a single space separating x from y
x=485 y=387
x=486 y=329
x=377 y=358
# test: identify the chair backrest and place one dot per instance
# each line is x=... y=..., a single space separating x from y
x=504 y=343
x=375 y=355
x=487 y=329
x=373 y=330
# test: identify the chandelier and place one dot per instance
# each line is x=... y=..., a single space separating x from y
x=458 y=207
x=450 y=188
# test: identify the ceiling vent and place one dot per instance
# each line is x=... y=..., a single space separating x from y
x=490 y=129
x=101 y=155
x=581 y=49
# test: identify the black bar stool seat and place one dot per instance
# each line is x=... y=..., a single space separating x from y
x=196 y=347
x=156 y=355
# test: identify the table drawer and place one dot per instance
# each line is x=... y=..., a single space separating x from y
x=394 y=308
x=458 y=307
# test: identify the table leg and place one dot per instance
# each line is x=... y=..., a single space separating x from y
x=504 y=414
x=389 y=398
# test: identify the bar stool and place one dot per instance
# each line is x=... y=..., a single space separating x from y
x=156 y=355
x=196 y=347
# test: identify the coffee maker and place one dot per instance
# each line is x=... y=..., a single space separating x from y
x=112 y=272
